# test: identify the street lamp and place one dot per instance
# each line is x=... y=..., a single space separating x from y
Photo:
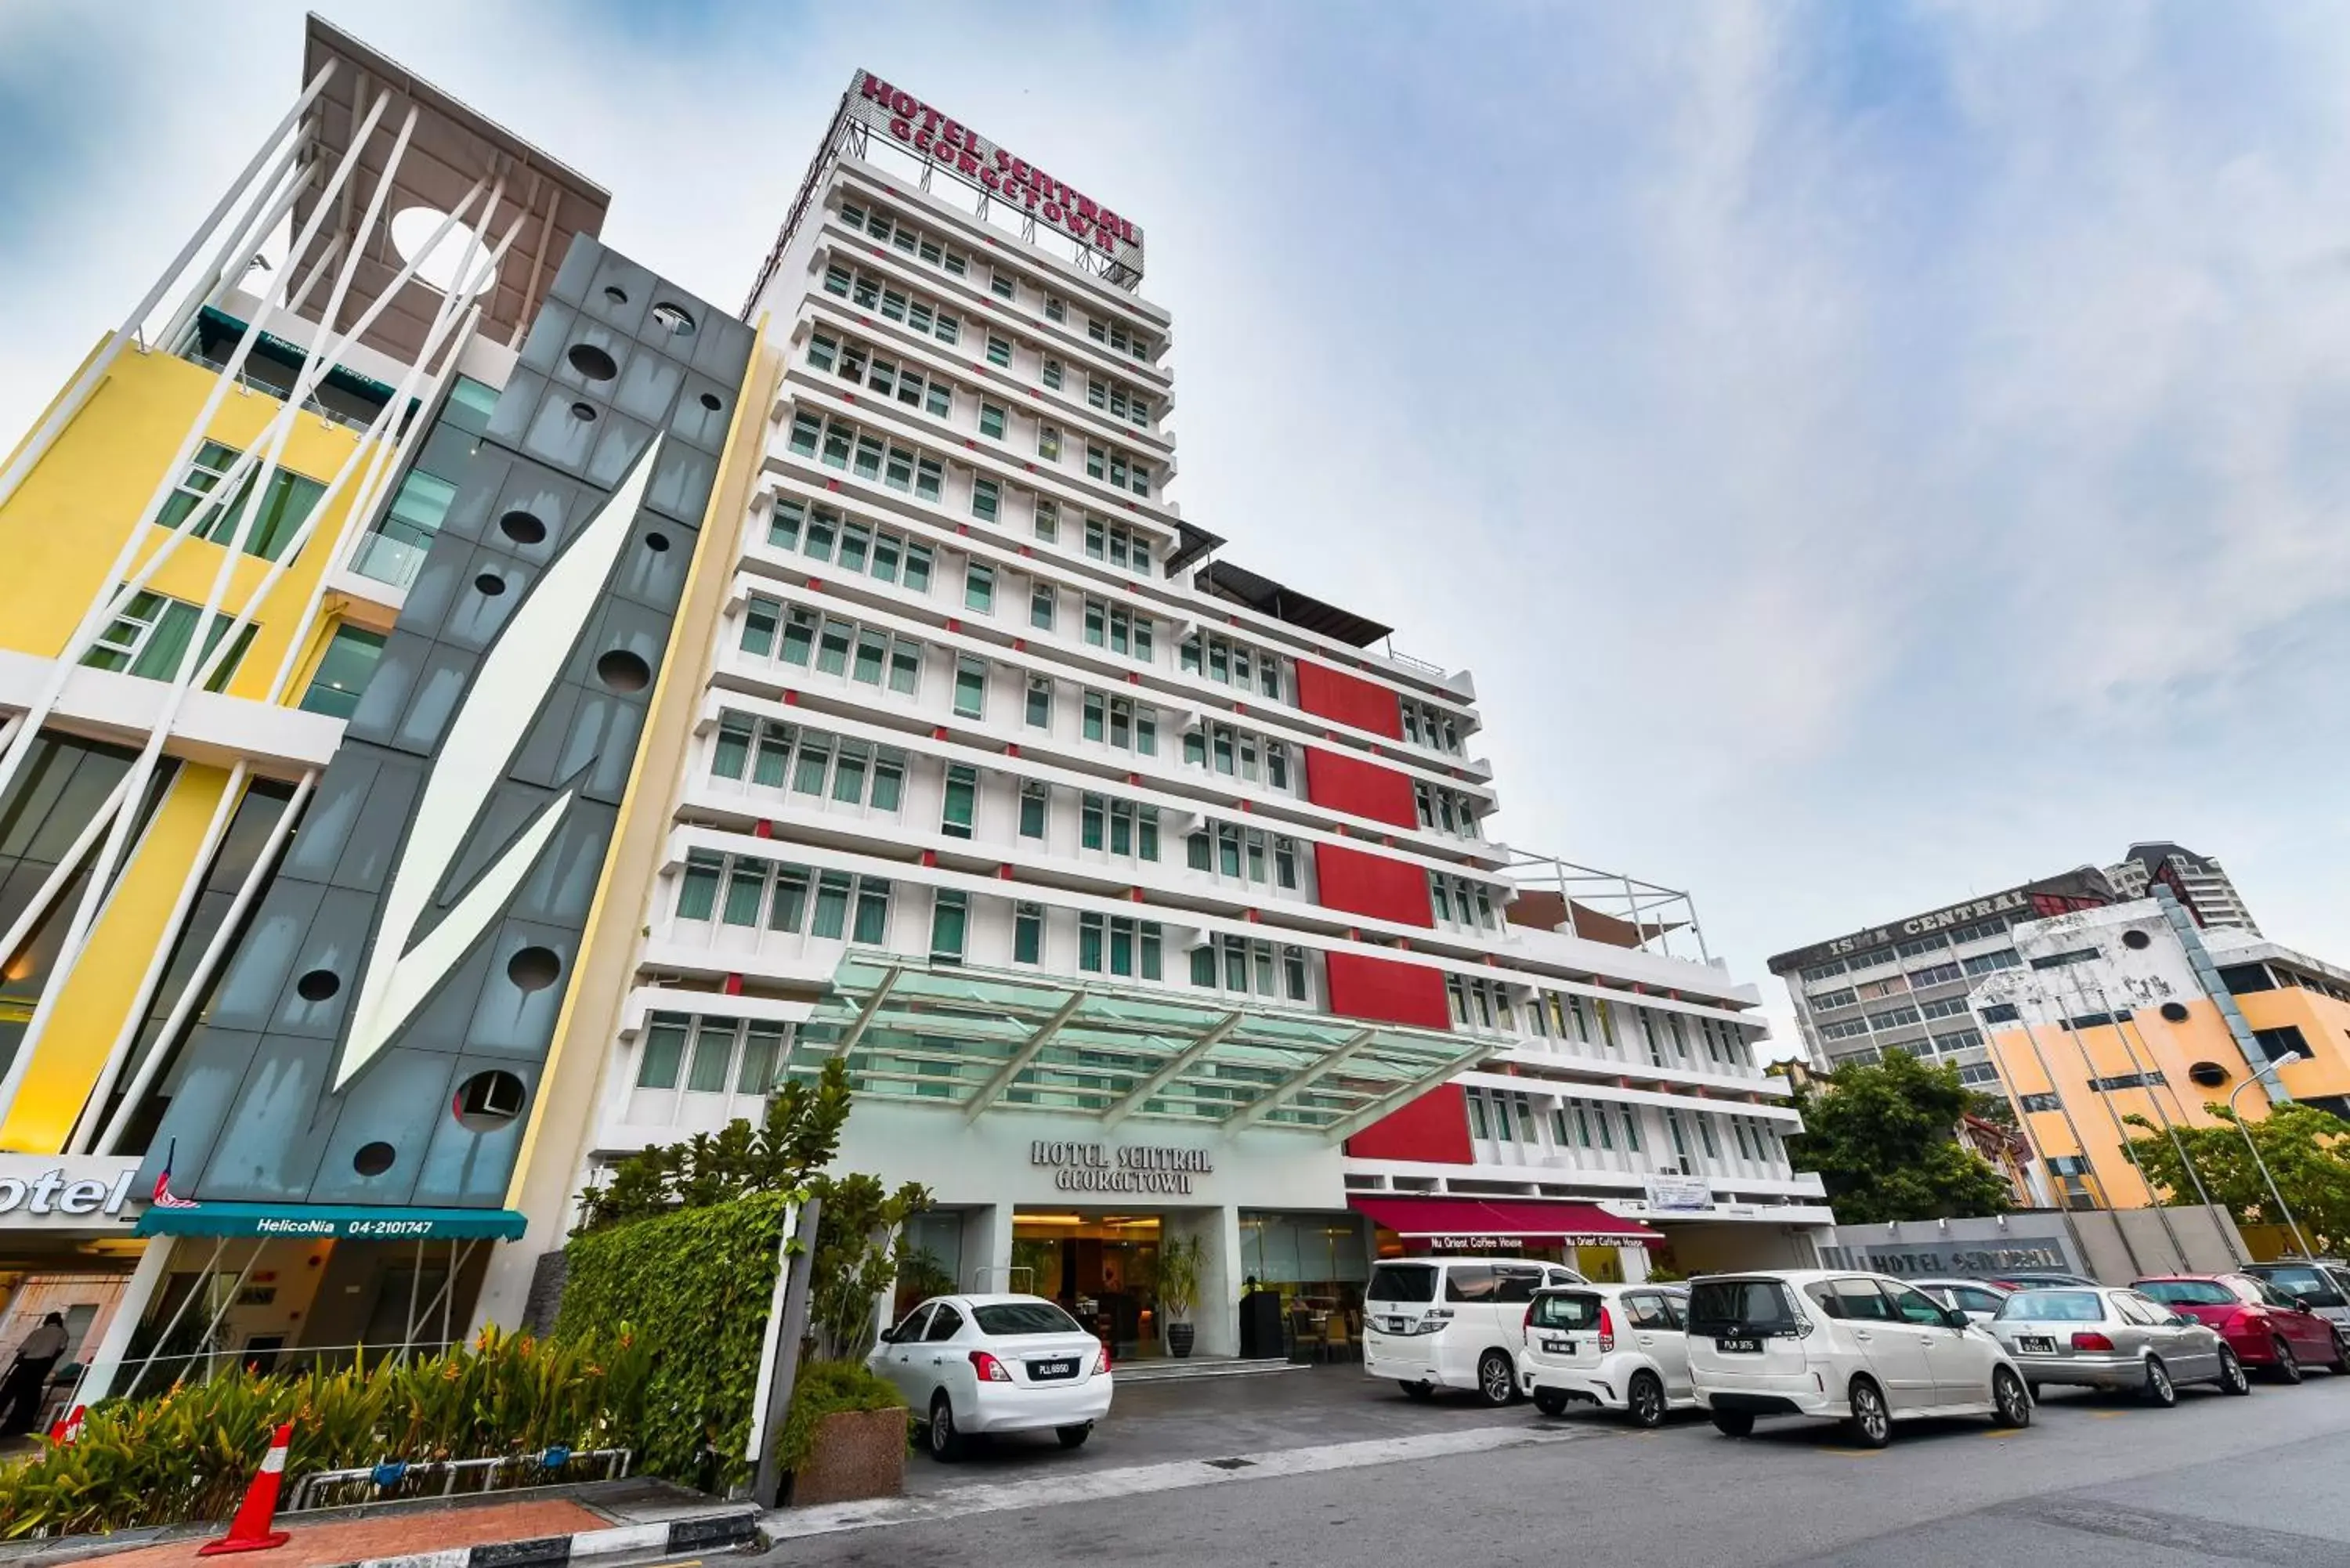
x=2285 y=1060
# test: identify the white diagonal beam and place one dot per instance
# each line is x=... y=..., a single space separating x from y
x=1175 y=1067
x=1297 y=1083
x=865 y=1014
x=1029 y=1051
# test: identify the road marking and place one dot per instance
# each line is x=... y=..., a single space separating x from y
x=1095 y=1486
x=1856 y=1453
x=2107 y=1414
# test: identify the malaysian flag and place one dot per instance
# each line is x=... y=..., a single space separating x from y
x=164 y=1197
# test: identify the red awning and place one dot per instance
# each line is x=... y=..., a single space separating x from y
x=1491 y=1218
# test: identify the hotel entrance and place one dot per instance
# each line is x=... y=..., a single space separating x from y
x=1102 y=1266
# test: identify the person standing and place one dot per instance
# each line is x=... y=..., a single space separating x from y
x=20 y=1393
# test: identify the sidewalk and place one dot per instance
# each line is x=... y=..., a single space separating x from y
x=319 y=1544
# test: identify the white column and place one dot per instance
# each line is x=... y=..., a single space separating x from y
x=1634 y=1261
x=1216 y=1316
x=99 y=1373
x=987 y=1250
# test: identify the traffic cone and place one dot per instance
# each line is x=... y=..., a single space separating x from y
x=249 y=1531
x=67 y=1427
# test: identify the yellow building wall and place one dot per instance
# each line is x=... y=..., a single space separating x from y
x=59 y=535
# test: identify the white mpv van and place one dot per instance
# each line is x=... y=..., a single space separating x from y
x=1864 y=1349
x=1452 y=1322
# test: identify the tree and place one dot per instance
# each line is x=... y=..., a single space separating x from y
x=2306 y=1150
x=1881 y=1137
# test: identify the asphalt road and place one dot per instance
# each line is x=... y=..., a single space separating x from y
x=1326 y=1467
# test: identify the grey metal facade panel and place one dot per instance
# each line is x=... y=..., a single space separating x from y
x=255 y=1114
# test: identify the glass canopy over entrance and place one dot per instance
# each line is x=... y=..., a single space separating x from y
x=984 y=1039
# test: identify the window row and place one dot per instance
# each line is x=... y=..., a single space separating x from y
x=836 y=444
x=1238 y=753
x=713 y=1056
x=832 y=647
x=1424 y=724
x=904 y=237
x=1234 y=853
x=275 y=520
x=860 y=366
x=812 y=762
x=1220 y=659
x=1478 y=1003
x=830 y=537
x=1247 y=967
x=151 y=635
x=1120 y=401
x=867 y=291
x=1447 y=811
x=742 y=890
x=1460 y=902
x=1120 y=469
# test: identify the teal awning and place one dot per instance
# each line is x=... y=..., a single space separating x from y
x=328 y=1221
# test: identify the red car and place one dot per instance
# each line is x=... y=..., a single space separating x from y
x=2259 y=1321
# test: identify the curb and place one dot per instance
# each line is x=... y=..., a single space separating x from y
x=715 y=1531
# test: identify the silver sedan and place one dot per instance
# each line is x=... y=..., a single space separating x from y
x=2107 y=1338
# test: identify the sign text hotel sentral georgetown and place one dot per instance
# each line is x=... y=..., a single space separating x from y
x=1145 y=896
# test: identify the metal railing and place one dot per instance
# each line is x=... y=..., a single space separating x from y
x=1644 y=915
x=394 y=1479
x=387 y=560
x=246 y=379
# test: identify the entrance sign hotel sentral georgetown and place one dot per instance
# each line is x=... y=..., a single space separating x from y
x=1123 y=1167
x=956 y=145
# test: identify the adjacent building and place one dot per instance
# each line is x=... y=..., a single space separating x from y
x=2198 y=882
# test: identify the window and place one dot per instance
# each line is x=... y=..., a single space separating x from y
x=1118 y=400
x=824 y=535
x=1053 y=374
x=1948 y=1007
x=343 y=671
x=1424 y=724
x=1824 y=972
x=1117 y=828
x=1048 y=442
x=2059 y=961
x=999 y=352
x=1116 y=544
x=950 y=921
x=1117 y=335
x=1119 y=629
x=2277 y=1044
x=1122 y=722
x=1985 y=963
x=906 y=239
x=1120 y=946
x=1441 y=810
x=1048 y=522
x=1002 y=284
x=1247 y=967
x=1040 y=702
x=971 y=687
x=1232 y=663
x=1027 y=933
x=269 y=525
x=812 y=762
x=2039 y=1102
x=1478 y=1003
x=1828 y=1001
x=1041 y=602
x=979 y=587
x=1852 y=1028
x=1893 y=1018
x=962 y=801
x=1239 y=753
x=991 y=420
x=986 y=499
x=151 y=638
x=1940 y=974
x=1036 y=800
x=1462 y=903
x=1055 y=308
x=1119 y=470
x=1922 y=945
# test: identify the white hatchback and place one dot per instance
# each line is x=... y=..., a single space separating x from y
x=974 y=1365
x=1620 y=1347
x=1452 y=1322
x=1864 y=1349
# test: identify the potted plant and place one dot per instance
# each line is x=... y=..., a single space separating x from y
x=1178 y=1289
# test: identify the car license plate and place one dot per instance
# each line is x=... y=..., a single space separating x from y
x=1739 y=1346
x=1559 y=1347
x=2036 y=1344
x=1042 y=1369
x=1399 y=1324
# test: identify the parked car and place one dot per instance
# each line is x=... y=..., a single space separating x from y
x=1979 y=1299
x=1620 y=1347
x=980 y=1364
x=2259 y=1321
x=1452 y=1322
x=2322 y=1282
x=2039 y=1278
x=1864 y=1349
x=2112 y=1338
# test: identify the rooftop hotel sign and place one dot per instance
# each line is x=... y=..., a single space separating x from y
x=956 y=147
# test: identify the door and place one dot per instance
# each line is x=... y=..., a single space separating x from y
x=2312 y=1336
x=1960 y=1360
x=1895 y=1351
x=893 y=1359
x=1657 y=1333
x=1514 y=1286
x=937 y=1364
x=2188 y=1348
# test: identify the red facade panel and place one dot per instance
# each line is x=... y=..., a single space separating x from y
x=1433 y=1128
x=1364 y=789
x=1372 y=885
x=1390 y=990
x=1349 y=698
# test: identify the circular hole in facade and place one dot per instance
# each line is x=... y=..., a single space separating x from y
x=583 y=412
x=437 y=268
x=656 y=543
x=592 y=362
x=490 y=584
x=521 y=528
x=710 y=400
x=319 y=985
x=674 y=319
x=616 y=294
x=2210 y=1075
x=488 y=1101
x=623 y=671
x=2137 y=940
x=533 y=969
x=2174 y=1012
x=374 y=1158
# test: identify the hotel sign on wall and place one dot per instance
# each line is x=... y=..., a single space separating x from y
x=953 y=146
x=1120 y=1168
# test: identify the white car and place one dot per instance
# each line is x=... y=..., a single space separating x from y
x=973 y=1366
x=1620 y=1347
x=1864 y=1349
x=1979 y=1299
x=1452 y=1322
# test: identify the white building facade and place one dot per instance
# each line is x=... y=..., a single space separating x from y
x=1144 y=895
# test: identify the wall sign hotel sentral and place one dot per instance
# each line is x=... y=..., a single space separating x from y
x=954 y=145
x=1121 y=1167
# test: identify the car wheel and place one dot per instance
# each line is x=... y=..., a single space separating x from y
x=945 y=1441
x=1733 y=1423
x=2158 y=1390
x=1872 y=1424
x=1644 y=1400
x=1420 y=1391
x=1073 y=1437
x=2010 y=1403
x=2288 y=1364
x=1497 y=1380
x=2232 y=1378
x=1550 y=1401
x=2341 y=1366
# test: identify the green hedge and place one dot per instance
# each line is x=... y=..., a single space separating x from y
x=697 y=1284
x=827 y=1388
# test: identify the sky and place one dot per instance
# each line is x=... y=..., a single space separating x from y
x=1868 y=455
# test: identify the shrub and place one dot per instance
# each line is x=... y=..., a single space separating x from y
x=827 y=1388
